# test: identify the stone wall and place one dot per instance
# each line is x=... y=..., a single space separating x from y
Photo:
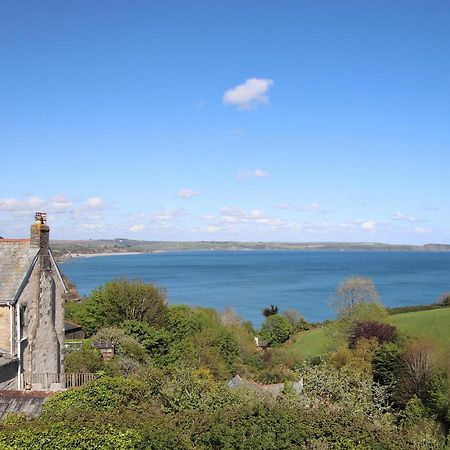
x=4 y=328
x=43 y=350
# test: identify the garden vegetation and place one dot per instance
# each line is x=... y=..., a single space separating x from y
x=167 y=385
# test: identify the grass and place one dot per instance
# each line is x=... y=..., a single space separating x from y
x=434 y=325
x=308 y=344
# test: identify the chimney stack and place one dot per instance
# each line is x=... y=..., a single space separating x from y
x=40 y=232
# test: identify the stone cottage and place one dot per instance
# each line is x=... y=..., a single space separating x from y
x=31 y=312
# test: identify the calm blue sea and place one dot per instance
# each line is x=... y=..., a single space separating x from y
x=250 y=280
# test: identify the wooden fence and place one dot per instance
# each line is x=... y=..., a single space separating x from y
x=65 y=380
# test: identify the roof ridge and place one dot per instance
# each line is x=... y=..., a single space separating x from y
x=4 y=240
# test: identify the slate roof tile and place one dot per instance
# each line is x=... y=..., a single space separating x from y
x=16 y=256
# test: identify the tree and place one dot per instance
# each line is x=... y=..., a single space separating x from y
x=297 y=320
x=368 y=329
x=276 y=329
x=270 y=311
x=354 y=291
x=120 y=300
x=444 y=299
x=417 y=365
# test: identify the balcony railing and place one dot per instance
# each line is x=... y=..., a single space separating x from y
x=45 y=381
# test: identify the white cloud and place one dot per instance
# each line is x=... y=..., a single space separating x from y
x=166 y=215
x=255 y=173
x=61 y=202
x=92 y=227
x=136 y=228
x=234 y=215
x=314 y=207
x=369 y=225
x=404 y=217
x=94 y=203
x=422 y=230
x=212 y=229
x=29 y=205
x=284 y=206
x=249 y=94
x=187 y=193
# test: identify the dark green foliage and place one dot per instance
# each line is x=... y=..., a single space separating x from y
x=157 y=342
x=273 y=309
x=186 y=410
x=437 y=397
x=297 y=320
x=120 y=300
x=414 y=308
x=124 y=345
x=276 y=329
x=87 y=360
x=103 y=394
x=385 y=364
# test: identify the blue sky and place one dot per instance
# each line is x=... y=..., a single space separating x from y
x=237 y=120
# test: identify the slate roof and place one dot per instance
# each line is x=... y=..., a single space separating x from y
x=28 y=403
x=6 y=359
x=16 y=257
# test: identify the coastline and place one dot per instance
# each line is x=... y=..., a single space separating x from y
x=69 y=256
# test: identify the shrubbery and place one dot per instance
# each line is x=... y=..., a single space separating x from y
x=368 y=329
x=166 y=387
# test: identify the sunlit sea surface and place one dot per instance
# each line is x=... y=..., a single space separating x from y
x=250 y=280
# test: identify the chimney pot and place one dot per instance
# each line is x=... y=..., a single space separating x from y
x=39 y=236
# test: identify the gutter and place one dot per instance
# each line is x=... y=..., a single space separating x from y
x=11 y=328
x=19 y=355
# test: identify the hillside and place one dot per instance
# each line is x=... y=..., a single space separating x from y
x=66 y=248
x=434 y=325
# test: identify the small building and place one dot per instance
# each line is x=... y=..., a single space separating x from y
x=260 y=343
x=31 y=312
x=106 y=349
x=73 y=330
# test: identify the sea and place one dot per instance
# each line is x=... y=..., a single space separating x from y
x=248 y=281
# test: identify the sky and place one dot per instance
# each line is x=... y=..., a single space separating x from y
x=226 y=120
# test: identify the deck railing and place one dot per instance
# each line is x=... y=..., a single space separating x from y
x=65 y=380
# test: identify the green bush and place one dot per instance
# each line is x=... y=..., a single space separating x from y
x=276 y=329
x=117 y=301
x=87 y=360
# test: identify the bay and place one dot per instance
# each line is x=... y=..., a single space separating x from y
x=248 y=281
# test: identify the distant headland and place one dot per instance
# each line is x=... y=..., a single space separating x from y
x=65 y=249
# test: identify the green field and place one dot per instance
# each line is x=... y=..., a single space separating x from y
x=434 y=324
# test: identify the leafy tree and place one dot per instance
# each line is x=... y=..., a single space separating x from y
x=354 y=291
x=276 y=329
x=120 y=300
x=124 y=345
x=272 y=310
x=297 y=320
x=437 y=397
x=368 y=329
x=87 y=360
x=385 y=364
